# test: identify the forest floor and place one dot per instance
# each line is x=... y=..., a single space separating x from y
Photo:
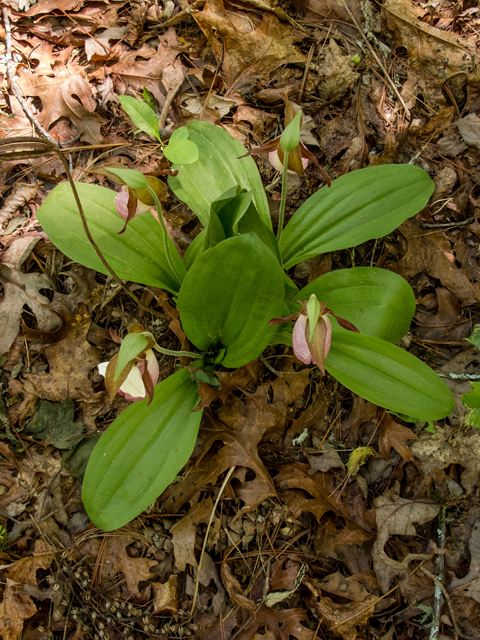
x=289 y=545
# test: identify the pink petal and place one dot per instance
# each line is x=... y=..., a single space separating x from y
x=299 y=340
x=152 y=366
x=328 y=337
x=278 y=166
x=121 y=202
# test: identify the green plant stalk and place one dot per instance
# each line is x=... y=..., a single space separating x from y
x=166 y=248
x=283 y=200
x=171 y=352
x=90 y=237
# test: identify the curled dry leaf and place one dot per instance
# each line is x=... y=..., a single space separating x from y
x=347 y=621
x=20 y=290
x=397 y=516
x=165 y=596
x=22 y=194
x=234 y=589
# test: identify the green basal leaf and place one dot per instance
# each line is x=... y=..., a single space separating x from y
x=359 y=206
x=142 y=115
x=132 y=345
x=194 y=249
x=135 y=256
x=389 y=377
x=378 y=302
x=181 y=151
x=475 y=336
x=218 y=168
x=471 y=400
x=251 y=221
x=141 y=453
x=132 y=178
x=228 y=297
x=232 y=213
x=180 y=134
x=215 y=232
x=149 y=99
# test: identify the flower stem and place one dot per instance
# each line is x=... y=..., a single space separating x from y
x=283 y=200
x=166 y=238
x=171 y=352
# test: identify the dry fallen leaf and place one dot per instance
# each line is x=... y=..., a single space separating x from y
x=22 y=194
x=336 y=72
x=65 y=95
x=165 y=596
x=70 y=361
x=283 y=624
x=393 y=434
x=144 y=67
x=435 y=55
x=17 y=606
x=20 y=290
x=248 y=54
x=247 y=423
x=396 y=516
x=430 y=253
x=184 y=533
x=135 y=570
x=294 y=481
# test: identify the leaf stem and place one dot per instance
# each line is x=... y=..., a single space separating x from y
x=283 y=200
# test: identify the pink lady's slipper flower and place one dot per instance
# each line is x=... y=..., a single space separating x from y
x=133 y=202
x=135 y=387
x=313 y=345
x=298 y=158
x=139 y=375
x=122 y=201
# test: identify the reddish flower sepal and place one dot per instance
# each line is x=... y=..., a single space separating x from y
x=314 y=350
x=297 y=159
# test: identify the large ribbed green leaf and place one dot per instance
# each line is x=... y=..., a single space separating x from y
x=229 y=295
x=136 y=255
x=389 y=377
x=141 y=453
x=359 y=206
x=217 y=169
x=378 y=302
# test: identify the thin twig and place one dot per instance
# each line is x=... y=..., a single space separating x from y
x=13 y=83
x=305 y=75
x=447 y=598
x=447 y=225
x=197 y=582
x=439 y=568
x=172 y=92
